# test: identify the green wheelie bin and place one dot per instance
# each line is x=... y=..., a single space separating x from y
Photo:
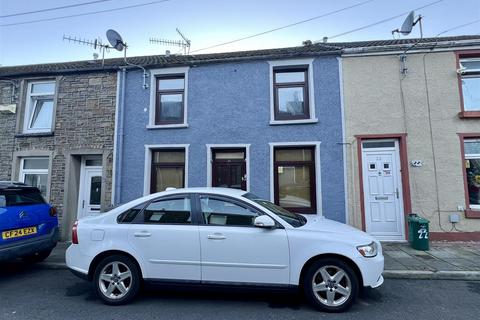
x=418 y=232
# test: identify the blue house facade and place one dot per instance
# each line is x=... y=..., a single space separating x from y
x=266 y=122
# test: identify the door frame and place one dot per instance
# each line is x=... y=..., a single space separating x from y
x=210 y=148
x=402 y=142
x=81 y=186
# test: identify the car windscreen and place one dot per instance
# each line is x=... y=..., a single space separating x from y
x=20 y=197
x=294 y=219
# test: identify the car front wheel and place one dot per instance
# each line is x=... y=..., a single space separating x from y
x=330 y=285
x=117 y=279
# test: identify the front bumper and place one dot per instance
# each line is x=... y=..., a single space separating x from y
x=30 y=246
x=371 y=269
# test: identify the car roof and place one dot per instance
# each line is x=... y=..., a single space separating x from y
x=15 y=185
x=211 y=190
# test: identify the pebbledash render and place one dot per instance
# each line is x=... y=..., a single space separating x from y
x=56 y=132
x=412 y=126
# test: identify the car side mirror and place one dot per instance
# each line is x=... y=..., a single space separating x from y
x=264 y=221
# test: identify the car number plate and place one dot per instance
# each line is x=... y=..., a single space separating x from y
x=17 y=233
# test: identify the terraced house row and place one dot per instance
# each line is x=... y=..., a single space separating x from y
x=361 y=132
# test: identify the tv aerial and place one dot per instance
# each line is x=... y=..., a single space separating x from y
x=408 y=24
x=185 y=43
x=116 y=42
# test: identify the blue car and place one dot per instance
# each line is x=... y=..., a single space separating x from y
x=28 y=224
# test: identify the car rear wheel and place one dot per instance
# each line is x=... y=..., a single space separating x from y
x=37 y=256
x=117 y=279
x=330 y=285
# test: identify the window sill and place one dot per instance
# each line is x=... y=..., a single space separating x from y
x=283 y=122
x=167 y=126
x=469 y=114
x=34 y=134
x=472 y=214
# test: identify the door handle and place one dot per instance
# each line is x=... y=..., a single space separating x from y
x=396 y=192
x=216 y=236
x=142 y=234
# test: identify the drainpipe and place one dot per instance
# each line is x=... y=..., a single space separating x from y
x=120 y=135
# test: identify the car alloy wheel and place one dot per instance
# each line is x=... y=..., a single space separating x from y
x=117 y=279
x=331 y=286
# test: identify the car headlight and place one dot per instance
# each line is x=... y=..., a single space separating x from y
x=368 y=250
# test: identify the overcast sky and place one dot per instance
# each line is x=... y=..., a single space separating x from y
x=210 y=22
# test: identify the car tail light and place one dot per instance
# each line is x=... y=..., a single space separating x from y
x=53 y=211
x=74 y=233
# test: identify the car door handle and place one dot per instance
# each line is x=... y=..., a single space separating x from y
x=216 y=236
x=142 y=234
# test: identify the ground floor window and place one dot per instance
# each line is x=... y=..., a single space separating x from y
x=294 y=178
x=34 y=172
x=168 y=169
x=472 y=168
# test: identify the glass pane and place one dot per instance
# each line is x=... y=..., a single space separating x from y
x=294 y=186
x=290 y=101
x=379 y=144
x=283 y=77
x=171 y=84
x=168 y=211
x=171 y=107
x=93 y=162
x=170 y=156
x=37 y=180
x=472 y=146
x=221 y=155
x=470 y=64
x=35 y=163
x=10 y=198
x=471 y=93
x=43 y=87
x=219 y=212
x=473 y=180
x=293 y=155
x=95 y=190
x=167 y=177
x=42 y=114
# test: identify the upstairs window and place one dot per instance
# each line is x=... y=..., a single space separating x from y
x=39 y=107
x=290 y=93
x=169 y=104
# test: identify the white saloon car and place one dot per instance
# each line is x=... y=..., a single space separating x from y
x=217 y=236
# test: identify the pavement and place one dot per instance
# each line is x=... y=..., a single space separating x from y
x=444 y=261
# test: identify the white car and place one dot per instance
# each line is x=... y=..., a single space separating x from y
x=217 y=236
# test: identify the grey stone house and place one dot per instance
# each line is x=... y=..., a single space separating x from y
x=57 y=126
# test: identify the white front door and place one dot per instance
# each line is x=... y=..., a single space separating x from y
x=382 y=186
x=89 y=196
x=233 y=250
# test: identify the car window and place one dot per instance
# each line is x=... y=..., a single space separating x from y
x=10 y=198
x=226 y=213
x=169 y=211
x=130 y=214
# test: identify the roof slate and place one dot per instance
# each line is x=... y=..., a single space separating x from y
x=330 y=48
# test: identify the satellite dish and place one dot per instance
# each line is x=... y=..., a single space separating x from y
x=408 y=24
x=115 y=40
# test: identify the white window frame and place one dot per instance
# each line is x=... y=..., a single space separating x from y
x=148 y=163
x=23 y=172
x=227 y=146
x=30 y=107
x=311 y=91
x=467 y=71
x=470 y=156
x=318 y=175
x=153 y=97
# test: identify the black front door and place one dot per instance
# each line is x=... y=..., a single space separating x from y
x=229 y=168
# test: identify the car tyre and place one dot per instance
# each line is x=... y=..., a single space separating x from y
x=117 y=279
x=37 y=256
x=330 y=285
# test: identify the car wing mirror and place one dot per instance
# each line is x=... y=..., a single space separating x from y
x=264 y=221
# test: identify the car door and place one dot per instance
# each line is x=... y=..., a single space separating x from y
x=234 y=250
x=165 y=233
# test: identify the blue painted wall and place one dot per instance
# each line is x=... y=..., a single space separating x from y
x=230 y=103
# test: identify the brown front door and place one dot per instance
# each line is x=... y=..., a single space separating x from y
x=229 y=168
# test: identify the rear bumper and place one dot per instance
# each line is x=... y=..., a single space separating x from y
x=30 y=246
